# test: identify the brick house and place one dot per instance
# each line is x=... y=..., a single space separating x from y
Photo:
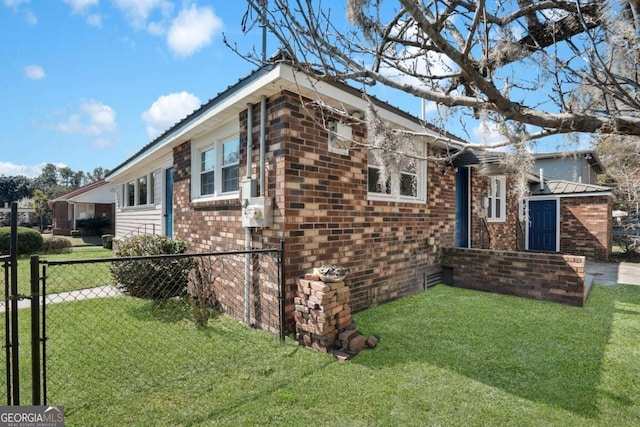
x=191 y=181
x=91 y=200
x=301 y=184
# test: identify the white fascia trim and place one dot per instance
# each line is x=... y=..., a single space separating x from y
x=141 y=167
x=302 y=80
x=237 y=97
x=562 y=196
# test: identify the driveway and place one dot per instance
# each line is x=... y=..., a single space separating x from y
x=611 y=273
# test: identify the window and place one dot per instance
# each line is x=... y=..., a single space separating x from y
x=216 y=164
x=409 y=186
x=131 y=193
x=496 y=198
x=230 y=165
x=208 y=173
x=142 y=190
x=139 y=192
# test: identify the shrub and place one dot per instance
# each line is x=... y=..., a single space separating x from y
x=56 y=245
x=95 y=226
x=202 y=276
x=152 y=278
x=29 y=240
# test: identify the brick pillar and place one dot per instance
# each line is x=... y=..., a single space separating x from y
x=322 y=313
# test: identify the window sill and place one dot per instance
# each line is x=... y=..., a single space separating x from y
x=213 y=202
x=209 y=199
x=496 y=219
x=372 y=197
x=139 y=208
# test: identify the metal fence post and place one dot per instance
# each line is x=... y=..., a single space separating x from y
x=7 y=329
x=283 y=290
x=35 y=331
x=13 y=296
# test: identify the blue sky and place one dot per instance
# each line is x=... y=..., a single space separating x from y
x=87 y=83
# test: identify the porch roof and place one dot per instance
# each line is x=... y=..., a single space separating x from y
x=559 y=187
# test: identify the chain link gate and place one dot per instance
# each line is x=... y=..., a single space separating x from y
x=15 y=304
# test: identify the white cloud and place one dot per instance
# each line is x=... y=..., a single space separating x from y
x=14 y=3
x=81 y=6
x=192 y=29
x=93 y=118
x=94 y=20
x=138 y=11
x=156 y=28
x=30 y=171
x=168 y=110
x=31 y=18
x=34 y=72
x=486 y=132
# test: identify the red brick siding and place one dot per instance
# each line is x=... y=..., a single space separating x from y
x=586 y=224
x=548 y=277
x=492 y=235
x=386 y=245
x=322 y=212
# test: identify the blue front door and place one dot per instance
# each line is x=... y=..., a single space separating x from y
x=462 y=207
x=543 y=225
x=168 y=202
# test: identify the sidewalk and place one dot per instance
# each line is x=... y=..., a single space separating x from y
x=611 y=273
x=82 y=294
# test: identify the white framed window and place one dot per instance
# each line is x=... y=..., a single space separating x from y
x=139 y=192
x=142 y=191
x=497 y=198
x=215 y=164
x=409 y=186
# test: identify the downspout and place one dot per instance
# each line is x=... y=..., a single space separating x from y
x=263 y=128
x=247 y=230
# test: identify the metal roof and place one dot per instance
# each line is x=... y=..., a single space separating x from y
x=560 y=187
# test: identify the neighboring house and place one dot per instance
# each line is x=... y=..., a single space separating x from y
x=578 y=166
x=91 y=200
x=561 y=216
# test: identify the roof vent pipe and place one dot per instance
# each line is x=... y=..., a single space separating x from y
x=541 y=179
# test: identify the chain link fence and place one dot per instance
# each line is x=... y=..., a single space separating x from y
x=115 y=326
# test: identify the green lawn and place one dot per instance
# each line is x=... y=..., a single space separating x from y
x=67 y=278
x=446 y=357
x=80 y=240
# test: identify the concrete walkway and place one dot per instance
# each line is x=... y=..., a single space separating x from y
x=82 y=294
x=611 y=273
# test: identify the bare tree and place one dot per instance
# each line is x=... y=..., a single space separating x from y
x=537 y=68
x=621 y=156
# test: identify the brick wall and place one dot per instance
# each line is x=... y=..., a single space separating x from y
x=492 y=235
x=61 y=224
x=328 y=220
x=585 y=223
x=549 y=277
x=586 y=226
x=321 y=210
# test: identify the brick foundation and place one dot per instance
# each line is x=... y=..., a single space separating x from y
x=548 y=277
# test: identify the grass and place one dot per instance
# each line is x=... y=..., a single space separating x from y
x=80 y=240
x=446 y=357
x=77 y=277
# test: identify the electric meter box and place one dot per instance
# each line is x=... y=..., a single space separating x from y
x=257 y=212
